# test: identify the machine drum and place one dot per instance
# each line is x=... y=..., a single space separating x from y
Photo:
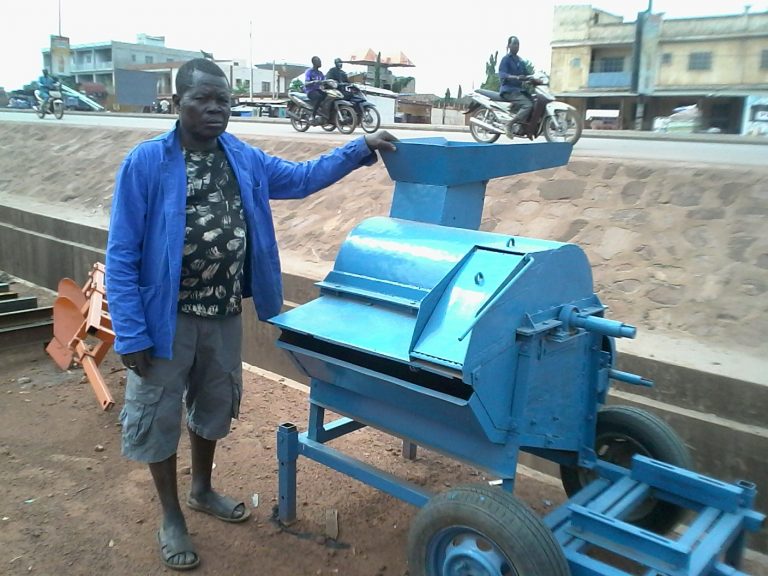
x=483 y=531
x=622 y=432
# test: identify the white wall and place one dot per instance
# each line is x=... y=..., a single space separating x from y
x=452 y=117
x=385 y=106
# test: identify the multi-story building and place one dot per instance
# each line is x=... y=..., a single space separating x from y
x=134 y=75
x=648 y=68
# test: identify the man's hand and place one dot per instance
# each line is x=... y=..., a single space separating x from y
x=139 y=362
x=381 y=140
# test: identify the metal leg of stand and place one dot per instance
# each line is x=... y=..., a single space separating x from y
x=287 y=454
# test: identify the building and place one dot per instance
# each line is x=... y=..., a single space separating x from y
x=136 y=75
x=371 y=59
x=718 y=63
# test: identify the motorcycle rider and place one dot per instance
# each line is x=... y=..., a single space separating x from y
x=336 y=73
x=46 y=82
x=512 y=73
x=312 y=79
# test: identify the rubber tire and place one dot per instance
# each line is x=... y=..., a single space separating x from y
x=478 y=133
x=39 y=111
x=370 y=127
x=302 y=124
x=552 y=136
x=348 y=125
x=655 y=439
x=505 y=522
x=58 y=109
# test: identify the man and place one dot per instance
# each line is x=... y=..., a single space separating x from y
x=190 y=236
x=512 y=73
x=312 y=79
x=46 y=82
x=336 y=73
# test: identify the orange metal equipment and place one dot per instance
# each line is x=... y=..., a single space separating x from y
x=80 y=314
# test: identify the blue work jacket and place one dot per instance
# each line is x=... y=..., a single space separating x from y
x=147 y=226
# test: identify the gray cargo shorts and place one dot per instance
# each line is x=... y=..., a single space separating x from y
x=205 y=374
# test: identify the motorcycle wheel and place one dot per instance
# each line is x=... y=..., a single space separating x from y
x=564 y=126
x=346 y=119
x=479 y=133
x=39 y=111
x=370 y=120
x=301 y=122
x=58 y=109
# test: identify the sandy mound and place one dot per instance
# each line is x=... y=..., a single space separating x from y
x=677 y=249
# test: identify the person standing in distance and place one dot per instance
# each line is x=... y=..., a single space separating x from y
x=191 y=235
x=512 y=74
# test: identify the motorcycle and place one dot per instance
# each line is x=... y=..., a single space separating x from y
x=366 y=111
x=55 y=104
x=490 y=116
x=339 y=112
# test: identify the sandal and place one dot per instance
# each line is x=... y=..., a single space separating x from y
x=170 y=547
x=224 y=509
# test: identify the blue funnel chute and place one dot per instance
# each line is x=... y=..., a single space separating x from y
x=442 y=182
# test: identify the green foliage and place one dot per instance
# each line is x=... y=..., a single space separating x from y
x=400 y=83
x=296 y=86
x=491 y=77
x=458 y=94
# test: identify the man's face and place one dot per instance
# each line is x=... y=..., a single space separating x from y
x=514 y=46
x=338 y=64
x=316 y=62
x=204 y=108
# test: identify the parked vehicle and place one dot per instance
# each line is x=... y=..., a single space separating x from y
x=367 y=114
x=55 y=104
x=557 y=121
x=339 y=112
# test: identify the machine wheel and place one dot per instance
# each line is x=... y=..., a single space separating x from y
x=564 y=126
x=39 y=111
x=346 y=119
x=479 y=133
x=58 y=109
x=370 y=120
x=482 y=531
x=622 y=432
x=301 y=123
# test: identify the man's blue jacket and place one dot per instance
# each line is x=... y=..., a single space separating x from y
x=147 y=226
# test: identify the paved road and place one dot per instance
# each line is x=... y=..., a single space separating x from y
x=644 y=146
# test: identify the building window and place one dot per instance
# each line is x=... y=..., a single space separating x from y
x=133 y=57
x=666 y=58
x=575 y=62
x=764 y=60
x=610 y=65
x=148 y=60
x=265 y=87
x=700 y=61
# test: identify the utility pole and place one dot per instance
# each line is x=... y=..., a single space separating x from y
x=250 y=56
x=636 y=63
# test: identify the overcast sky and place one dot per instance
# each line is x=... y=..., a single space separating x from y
x=449 y=42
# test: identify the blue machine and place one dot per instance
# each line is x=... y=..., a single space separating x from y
x=479 y=345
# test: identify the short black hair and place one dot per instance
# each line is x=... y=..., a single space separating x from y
x=184 y=75
x=511 y=38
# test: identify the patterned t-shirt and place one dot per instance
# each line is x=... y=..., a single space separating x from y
x=214 y=239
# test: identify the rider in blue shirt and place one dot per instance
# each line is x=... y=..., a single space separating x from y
x=512 y=73
x=46 y=82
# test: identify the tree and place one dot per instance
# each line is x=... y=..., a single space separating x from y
x=400 y=83
x=491 y=77
x=377 y=71
x=447 y=100
x=458 y=94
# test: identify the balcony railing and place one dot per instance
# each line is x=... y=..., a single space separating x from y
x=91 y=66
x=609 y=80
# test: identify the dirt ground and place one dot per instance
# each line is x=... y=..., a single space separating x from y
x=72 y=505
